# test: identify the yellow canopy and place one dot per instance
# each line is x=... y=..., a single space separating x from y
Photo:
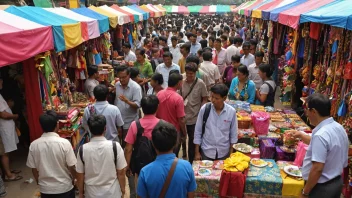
x=112 y=17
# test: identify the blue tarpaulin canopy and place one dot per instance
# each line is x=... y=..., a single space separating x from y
x=338 y=15
x=274 y=14
x=137 y=9
x=102 y=20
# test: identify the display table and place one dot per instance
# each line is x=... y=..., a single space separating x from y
x=207 y=186
x=291 y=186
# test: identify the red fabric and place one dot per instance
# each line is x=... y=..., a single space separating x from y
x=117 y=8
x=315 y=30
x=204 y=10
x=119 y=32
x=84 y=31
x=33 y=102
x=16 y=46
x=231 y=184
x=172 y=106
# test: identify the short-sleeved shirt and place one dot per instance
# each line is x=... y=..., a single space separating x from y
x=112 y=115
x=131 y=56
x=153 y=176
x=195 y=47
x=264 y=89
x=89 y=86
x=182 y=64
x=171 y=106
x=329 y=145
x=100 y=179
x=231 y=51
x=148 y=122
x=176 y=53
x=164 y=71
x=7 y=129
x=51 y=155
x=254 y=75
x=248 y=60
x=194 y=99
x=221 y=59
x=211 y=70
x=133 y=92
x=145 y=70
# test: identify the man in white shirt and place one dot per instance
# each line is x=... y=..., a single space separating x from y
x=232 y=50
x=175 y=50
x=254 y=70
x=219 y=56
x=248 y=58
x=165 y=68
x=52 y=160
x=210 y=69
x=101 y=164
x=129 y=56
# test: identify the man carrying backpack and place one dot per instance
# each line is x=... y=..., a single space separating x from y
x=101 y=164
x=139 y=150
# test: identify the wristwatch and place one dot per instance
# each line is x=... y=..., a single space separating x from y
x=305 y=194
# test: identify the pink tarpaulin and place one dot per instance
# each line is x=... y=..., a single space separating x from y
x=183 y=10
x=291 y=17
x=21 y=39
x=116 y=7
x=204 y=10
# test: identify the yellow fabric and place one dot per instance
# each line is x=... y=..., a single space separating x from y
x=291 y=187
x=112 y=17
x=162 y=9
x=237 y=162
x=72 y=35
x=257 y=14
x=73 y=4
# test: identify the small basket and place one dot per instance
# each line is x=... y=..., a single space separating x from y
x=244 y=124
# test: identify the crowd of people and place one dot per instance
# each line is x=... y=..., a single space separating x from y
x=172 y=87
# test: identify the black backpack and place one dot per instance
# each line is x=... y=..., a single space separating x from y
x=270 y=99
x=143 y=150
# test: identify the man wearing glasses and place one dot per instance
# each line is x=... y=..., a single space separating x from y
x=327 y=153
x=247 y=58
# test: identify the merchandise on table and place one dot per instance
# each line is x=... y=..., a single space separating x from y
x=282 y=155
x=258 y=162
x=261 y=121
x=293 y=171
x=243 y=119
x=243 y=148
x=288 y=138
x=267 y=149
x=236 y=162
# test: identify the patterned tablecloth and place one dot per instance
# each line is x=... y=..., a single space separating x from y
x=207 y=186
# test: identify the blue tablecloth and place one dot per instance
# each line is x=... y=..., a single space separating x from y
x=267 y=181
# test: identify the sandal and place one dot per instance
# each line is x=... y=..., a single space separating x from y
x=16 y=178
x=16 y=171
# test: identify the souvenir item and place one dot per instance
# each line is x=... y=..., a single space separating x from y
x=258 y=163
x=293 y=171
x=267 y=149
x=244 y=148
x=204 y=172
x=206 y=164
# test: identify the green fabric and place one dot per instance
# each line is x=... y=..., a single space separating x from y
x=43 y=3
x=168 y=9
x=249 y=3
x=145 y=70
x=194 y=9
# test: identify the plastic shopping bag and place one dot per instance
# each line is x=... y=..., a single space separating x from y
x=301 y=152
x=261 y=121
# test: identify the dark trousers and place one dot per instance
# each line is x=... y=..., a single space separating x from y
x=69 y=194
x=204 y=157
x=330 y=189
x=191 y=146
x=178 y=144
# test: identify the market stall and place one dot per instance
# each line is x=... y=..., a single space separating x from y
x=138 y=9
x=102 y=19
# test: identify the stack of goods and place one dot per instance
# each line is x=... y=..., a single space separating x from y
x=267 y=149
x=236 y=162
x=79 y=100
x=106 y=72
x=257 y=108
x=240 y=105
x=69 y=123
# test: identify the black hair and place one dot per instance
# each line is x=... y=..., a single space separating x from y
x=246 y=45
x=203 y=43
x=134 y=72
x=320 y=103
x=96 y=124
x=204 y=33
x=158 y=78
x=48 y=121
x=227 y=28
x=163 y=38
x=92 y=69
x=174 y=38
x=193 y=59
x=259 y=54
x=238 y=40
x=212 y=38
x=140 y=51
x=232 y=40
x=207 y=56
x=174 y=79
x=155 y=50
x=164 y=137
x=180 y=34
x=100 y=92
x=220 y=89
x=243 y=69
x=174 y=71
x=208 y=49
x=167 y=54
x=149 y=104
x=192 y=67
x=218 y=40
x=186 y=47
x=253 y=42
x=122 y=69
x=146 y=41
x=267 y=69
x=127 y=45
x=200 y=52
x=166 y=49
x=224 y=37
x=236 y=58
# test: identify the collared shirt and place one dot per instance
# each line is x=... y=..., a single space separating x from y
x=89 y=86
x=145 y=70
x=7 y=129
x=199 y=38
x=176 y=53
x=148 y=122
x=171 y=106
x=195 y=47
x=221 y=59
x=329 y=145
x=182 y=64
x=100 y=179
x=153 y=176
x=133 y=93
x=211 y=70
x=112 y=115
x=248 y=60
x=164 y=70
x=231 y=51
x=194 y=99
x=220 y=131
x=254 y=75
x=131 y=56
x=51 y=155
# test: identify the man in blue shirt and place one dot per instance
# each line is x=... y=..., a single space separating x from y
x=327 y=154
x=220 y=129
x=153 y=176
x=195 y=46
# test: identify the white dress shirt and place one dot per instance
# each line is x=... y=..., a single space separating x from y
x=221 y=59
x=164 y=71
x=131 y=56
x=231 y=51
x=254 y=75
x=248 y=60
x=176 y=53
